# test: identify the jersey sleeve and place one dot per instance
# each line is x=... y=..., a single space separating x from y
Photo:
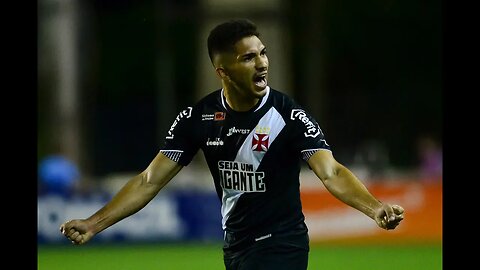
x=308 y=137
x=179 y=144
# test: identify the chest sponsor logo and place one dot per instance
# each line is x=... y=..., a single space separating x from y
x=240 y=176
x=219 y=116
x=235 y=130
x=313 y=130
x=187 y=113
x=206 y=117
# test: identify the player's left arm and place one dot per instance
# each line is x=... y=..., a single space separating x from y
x=346 y=187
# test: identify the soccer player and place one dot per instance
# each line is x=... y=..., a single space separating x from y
x=254 y=139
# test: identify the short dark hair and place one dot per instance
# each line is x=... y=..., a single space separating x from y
x=225 y=35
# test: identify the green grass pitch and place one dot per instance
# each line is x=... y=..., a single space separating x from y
x=201 y=256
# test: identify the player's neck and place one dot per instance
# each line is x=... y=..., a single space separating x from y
x=238 y=102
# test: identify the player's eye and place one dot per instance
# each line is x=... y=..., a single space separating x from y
x=248 y=58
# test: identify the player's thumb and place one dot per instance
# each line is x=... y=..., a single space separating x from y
x=397 y=209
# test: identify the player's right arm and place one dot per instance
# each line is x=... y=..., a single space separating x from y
x=132 y=197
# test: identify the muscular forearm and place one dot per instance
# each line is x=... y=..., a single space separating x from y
x=345 y=186
x=129 y=200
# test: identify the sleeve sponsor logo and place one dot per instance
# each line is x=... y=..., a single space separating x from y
x=187 y=113
x=313 y=130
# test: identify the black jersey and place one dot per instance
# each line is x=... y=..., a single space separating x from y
x=254 y=158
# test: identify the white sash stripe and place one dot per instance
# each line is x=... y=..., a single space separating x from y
x=273 y=120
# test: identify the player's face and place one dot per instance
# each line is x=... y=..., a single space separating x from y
x=248 y=69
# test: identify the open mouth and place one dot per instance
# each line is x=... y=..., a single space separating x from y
x=260 y=80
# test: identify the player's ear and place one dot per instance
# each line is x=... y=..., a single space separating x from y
x=221 y=72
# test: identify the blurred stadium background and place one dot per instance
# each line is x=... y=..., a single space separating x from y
x=112 y=75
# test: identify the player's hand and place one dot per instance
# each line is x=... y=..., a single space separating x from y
x=389 y=216
x=76 y=231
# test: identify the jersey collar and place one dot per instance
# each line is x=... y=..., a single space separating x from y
x=264 y=99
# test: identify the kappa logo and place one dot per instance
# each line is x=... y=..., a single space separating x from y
x=312 y=129
x=214 y=142
x=187 y=113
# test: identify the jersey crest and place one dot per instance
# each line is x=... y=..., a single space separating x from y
x=260 y=142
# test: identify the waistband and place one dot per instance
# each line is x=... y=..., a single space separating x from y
x=234 y=242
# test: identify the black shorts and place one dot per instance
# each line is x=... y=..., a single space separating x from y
x=271 y=255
